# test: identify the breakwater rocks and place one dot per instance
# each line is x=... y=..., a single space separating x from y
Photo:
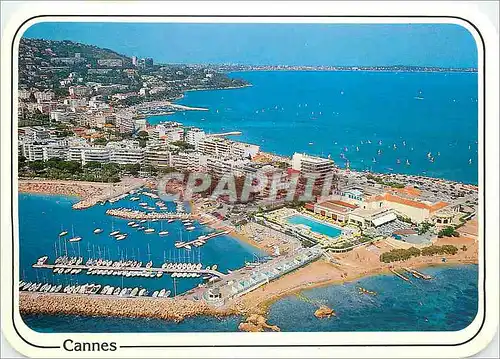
x=324 y=312
x=131 y=214
x=256 y=323
x=66 y=304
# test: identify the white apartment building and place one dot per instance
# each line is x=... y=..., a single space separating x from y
x=95 y=154
x=125 y=156
x=44 y=95
x=215 y=147
x=225 y=166
x=55 y=152
x=244 y=150
x=36 y=133
x=221 y=147
x=158 y=157
x=126 y=152
x=187 y=160
x=311 y=165
x=194 y=136
x=170 y=132
x=32 y=152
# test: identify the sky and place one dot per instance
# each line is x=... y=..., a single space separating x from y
x=443 y=45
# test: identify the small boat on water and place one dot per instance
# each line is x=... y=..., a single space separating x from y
x=190 y=228
x=170 y=220
x=98 y=230
x=135 y=225
x=163 y=233
x=149 y=230
x=142 y=221
x=130 y=223
x=114 y=233
x=63 y=233
x=120 y=237
x=162 y=293
x=155 y=294
x=366 y=291
x=75 y=239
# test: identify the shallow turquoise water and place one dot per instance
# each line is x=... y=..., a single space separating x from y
x=315 y=226
x=329 y=113
x=448 y=302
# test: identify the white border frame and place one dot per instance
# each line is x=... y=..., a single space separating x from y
x=424 y=340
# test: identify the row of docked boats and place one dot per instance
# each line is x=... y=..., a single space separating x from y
x=65 y=260
x=39 y=287
x=161 y=293
x=61 y=270
x=125 y=273
x=182 y=266
x=185 y=275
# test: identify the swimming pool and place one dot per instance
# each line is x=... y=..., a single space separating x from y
x=314 y=225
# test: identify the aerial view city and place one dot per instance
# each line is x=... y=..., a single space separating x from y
x=225 y=177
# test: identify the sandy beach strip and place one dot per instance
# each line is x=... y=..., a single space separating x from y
x=90 y=193
x=353 y=265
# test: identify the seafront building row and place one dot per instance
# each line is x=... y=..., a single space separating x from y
x=354 y=199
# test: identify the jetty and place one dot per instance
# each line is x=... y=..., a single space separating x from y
x=417 y=274
x=200 y=240
x=399 y=275
x=232 y=133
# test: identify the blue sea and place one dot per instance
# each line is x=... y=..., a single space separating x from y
x=321 y=113
x=405 y=115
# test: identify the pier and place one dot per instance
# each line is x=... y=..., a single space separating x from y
x=200 y=240
x=109 y=270
x=128 y=213
x=232 y=133
x=417 y=274
x=399 y=275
